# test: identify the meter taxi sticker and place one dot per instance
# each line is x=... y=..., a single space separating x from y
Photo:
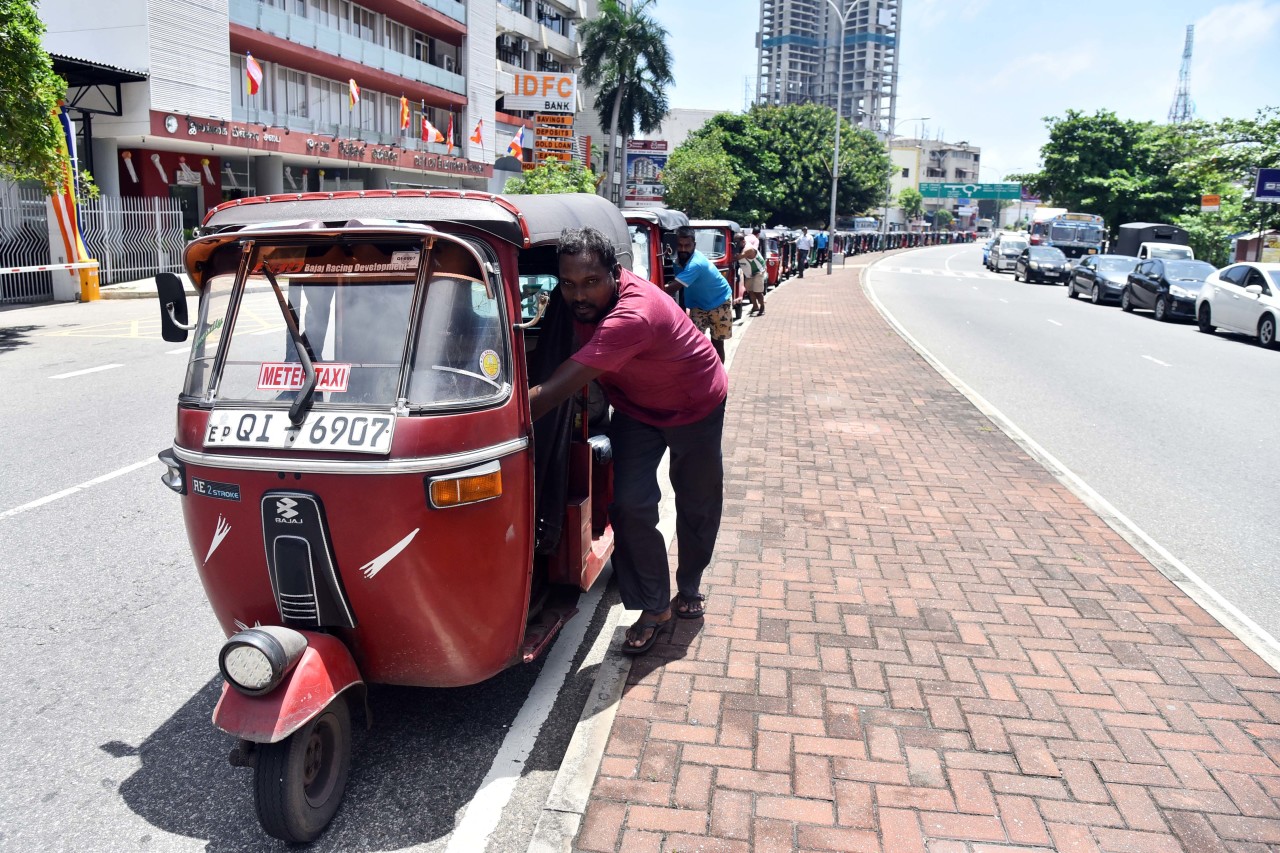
x=289 y=376
x=490 y=364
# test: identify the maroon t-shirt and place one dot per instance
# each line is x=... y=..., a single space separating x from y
x=658 y=368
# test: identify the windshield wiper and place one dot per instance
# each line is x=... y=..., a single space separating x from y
x=302 y=402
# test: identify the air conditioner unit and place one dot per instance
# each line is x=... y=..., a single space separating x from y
x=507 y=42
x=524 y=45
x=448 y=63
x=548 y=56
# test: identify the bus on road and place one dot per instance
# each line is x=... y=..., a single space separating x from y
x=1076 y=234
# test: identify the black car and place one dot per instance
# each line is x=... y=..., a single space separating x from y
x=1100 y=277
x=1167 y=287
x=1041 y=263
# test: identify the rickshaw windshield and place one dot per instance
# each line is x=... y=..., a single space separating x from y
x=353 y=300
x=712 y=243
x=640 y=252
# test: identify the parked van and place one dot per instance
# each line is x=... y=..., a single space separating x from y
x=1166 y=252
x=1131 y=236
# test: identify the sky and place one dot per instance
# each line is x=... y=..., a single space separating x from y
x=988 y=71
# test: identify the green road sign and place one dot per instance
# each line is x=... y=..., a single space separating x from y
x=972 y=191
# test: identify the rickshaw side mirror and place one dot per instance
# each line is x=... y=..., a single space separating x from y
x=173 y=308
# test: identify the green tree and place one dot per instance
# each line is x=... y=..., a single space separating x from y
x=553 y=176
x=29 y=95
x=911 y=202
x=1123 y=170
x=942 y=218
x=626 y=58
x=700 y=178
x=783 y=157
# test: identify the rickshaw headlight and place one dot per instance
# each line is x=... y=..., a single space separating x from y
x=466 y=487
x=255 y=660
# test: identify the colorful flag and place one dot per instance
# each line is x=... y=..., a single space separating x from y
x=429 y=131
x=252 y=74
x=449 y=137
x=353 y=94
x=64 y=200
x=478 y=136
x=515 y=148
x=404 y=113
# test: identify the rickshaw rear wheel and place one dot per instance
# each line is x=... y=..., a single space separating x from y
x=299 y=781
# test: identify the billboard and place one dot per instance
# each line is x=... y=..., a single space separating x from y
x=543 y=92
x=646 y=159
x=1268 y=186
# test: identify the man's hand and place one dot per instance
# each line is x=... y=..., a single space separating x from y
x=567 y=378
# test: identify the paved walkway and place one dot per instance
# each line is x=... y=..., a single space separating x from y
x=918 y=640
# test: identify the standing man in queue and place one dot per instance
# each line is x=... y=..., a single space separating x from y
x=668 y=391
x=707 y=294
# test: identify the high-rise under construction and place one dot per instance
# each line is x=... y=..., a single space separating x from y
x=799 y=56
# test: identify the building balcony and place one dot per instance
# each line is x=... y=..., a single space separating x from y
x=540 y=37
x=452 y=8
x=307 y=33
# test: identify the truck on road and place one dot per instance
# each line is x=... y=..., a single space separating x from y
x=1152 y=240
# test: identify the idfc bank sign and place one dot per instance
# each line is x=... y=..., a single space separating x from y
x=543 y=93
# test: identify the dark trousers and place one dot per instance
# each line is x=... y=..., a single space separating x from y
x=697 y=478
x=804 y=260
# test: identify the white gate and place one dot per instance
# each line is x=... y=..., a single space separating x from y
x=133 y=238
x=24 y=242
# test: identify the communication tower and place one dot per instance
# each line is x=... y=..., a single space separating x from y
x=1183 y=110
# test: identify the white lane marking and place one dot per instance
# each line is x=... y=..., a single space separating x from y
x=1228 y=615
x=178 y=351
x=1157 y=361
x=480 y=816
x=120 y=472
x=1055 y=322
x=1005 y=301
x=97 y=369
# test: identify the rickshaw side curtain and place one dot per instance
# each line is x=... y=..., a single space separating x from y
x=551 y=434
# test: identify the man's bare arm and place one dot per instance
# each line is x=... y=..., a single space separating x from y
x=566 y=379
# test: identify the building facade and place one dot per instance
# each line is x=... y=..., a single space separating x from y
x=342 y=91
x=799 y=57
x=917 y=161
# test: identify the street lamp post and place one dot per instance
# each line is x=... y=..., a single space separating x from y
x=835 y=160
x=888 y=190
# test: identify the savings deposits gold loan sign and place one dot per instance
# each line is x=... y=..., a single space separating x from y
x=554 y=98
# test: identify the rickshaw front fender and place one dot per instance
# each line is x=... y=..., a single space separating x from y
x=324 y=672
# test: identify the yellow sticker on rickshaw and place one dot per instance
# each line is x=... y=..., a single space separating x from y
x=490 y=364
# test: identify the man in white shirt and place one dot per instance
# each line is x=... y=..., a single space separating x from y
x=804 y=245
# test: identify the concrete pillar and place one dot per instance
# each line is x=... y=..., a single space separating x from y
x=106 y=163
x=268 y=174
x=379 y=179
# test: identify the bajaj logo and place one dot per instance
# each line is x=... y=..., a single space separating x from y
x=285 y=511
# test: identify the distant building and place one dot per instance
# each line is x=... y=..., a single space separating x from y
x=798 y=46
x=918 y=161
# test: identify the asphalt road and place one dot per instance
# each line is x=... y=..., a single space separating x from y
x=1174 y=428
x=110 y=648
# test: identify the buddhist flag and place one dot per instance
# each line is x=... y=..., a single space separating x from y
x=478 y=136
x=252 y=74
x=404 y=113
x=515 y=148
x=353 y=94
x=430 y=133
x=449 y=137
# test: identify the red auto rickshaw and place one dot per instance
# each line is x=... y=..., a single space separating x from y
x=714 y=238
x=653 y=242
x=364 y=493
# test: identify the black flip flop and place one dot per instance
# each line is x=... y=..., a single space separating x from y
x=658 y=628
x=689 y=602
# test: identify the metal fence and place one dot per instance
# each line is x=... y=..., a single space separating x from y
x=131 y=238
x=24 y=242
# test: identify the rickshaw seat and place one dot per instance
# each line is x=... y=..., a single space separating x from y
x=601 y=449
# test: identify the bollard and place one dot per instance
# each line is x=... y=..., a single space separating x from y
x=89 y=283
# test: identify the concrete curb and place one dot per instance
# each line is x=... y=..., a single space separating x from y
x=1227 y=614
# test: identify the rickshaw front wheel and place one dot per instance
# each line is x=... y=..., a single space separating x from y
x=299 y=781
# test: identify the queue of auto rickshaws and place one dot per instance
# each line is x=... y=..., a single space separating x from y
x=366 y=497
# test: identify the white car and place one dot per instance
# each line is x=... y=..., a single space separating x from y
x=1005 y=251
x=1243 y=298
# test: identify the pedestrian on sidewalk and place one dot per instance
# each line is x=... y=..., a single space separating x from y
x=707 y=294
x=751 y=268
x=668 y=389
x=820 y=244
x=804 y=245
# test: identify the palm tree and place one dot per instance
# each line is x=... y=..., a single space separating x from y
x=626 y=58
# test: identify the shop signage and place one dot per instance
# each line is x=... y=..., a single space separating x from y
x=547 y=93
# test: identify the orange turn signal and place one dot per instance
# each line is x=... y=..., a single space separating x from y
x=456 y=491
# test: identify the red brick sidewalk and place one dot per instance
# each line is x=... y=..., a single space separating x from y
x=918 y=640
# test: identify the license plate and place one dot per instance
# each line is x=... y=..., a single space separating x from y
x=345 y=432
